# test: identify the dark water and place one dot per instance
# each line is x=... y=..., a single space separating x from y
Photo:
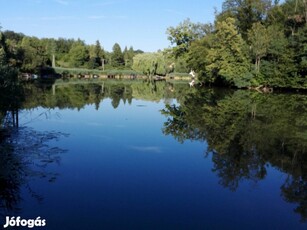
x=160 y=156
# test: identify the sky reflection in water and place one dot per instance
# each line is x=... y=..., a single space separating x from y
x=121 y=172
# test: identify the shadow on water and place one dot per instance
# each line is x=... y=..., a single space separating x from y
x=25 y=154
x=247 y=133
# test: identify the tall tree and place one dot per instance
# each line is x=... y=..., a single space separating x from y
x=228 y=57
x=96 y=54
x=258 y=38
x=3 y=49
x=150 y=63
x=246 y=12
x=98 y=50
x=117 y=57
x=35 y=54
x=279 y=69
x=197 y=57
x=182 y=35
x=78 y=54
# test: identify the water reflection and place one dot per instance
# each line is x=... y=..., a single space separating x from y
x=25 y=155
x=246 y=132
x=79 y=94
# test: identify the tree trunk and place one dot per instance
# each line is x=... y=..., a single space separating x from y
x=305 y=6
x=257 y=64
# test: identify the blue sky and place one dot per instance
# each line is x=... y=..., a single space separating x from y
x=138 y=23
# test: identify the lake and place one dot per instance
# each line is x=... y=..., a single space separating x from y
x=144 y=155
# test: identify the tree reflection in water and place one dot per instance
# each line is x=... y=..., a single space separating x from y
x=247 y=131
x=25 y=155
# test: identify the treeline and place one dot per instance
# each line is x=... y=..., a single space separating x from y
x=251 y=43
x=11 y=94
x=28 y=53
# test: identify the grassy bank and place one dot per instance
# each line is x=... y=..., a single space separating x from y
x=111 y=72
x=76 y=71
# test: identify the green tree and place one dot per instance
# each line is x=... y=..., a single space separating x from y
x=228 y=57
x=259 y=40
x=300 y=49
x=197 y=57
x=182 y=35
x=246 y=12
x=117 y=57
x=278 y=67
x=99 y=52
x=10 y=90
x=96 y=55
x=78 y=54
x=3 y=49
x=62 y=48
x=150 y=63
x=14 y=50
x=35 y=54
x=128 y=56
x=295 y=12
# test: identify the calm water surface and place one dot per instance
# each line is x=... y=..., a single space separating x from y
x=127 y=165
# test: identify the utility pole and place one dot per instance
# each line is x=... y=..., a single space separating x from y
x=53 y=61
x=102 y=64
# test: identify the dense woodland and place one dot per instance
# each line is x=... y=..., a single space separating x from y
x=29 y=53
x=250 y=43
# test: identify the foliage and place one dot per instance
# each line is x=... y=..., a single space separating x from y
x=227 y=57
x=270 y=36
x=150 y=64
x=196 y=61
x=246 y=12
x=76 y=71
x=117 y=57
x=11 y=94
x=33 y=54
x=96 y=56
x=184 y=34
x=30 y=53
x=78 y=54
x=128 y=56
x=258 y=37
